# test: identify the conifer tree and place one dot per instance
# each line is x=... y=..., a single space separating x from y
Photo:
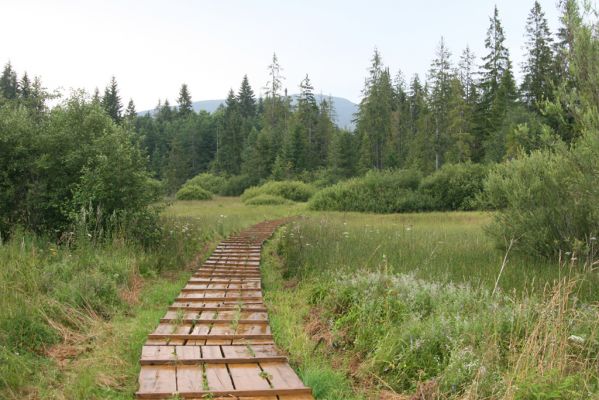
x=25 y=90
x=375 y=111
x=246 y=99
x=538 y=68
x=96 y=99
x=185 y=106
x=111 y=102
x=8 y=82
x=306 y=123
x=229 y=142
x=130 y=113
x=497 y=87
x=440 y=77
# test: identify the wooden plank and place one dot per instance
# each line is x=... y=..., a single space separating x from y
x=281 y=375
x=247 y=377
x=196 y=336
x=157 y=379
x=218 y=378
x=190 y=378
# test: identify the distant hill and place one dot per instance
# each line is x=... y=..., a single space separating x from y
x=344 y=109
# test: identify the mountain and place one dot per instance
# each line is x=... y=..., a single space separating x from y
x=344 y=109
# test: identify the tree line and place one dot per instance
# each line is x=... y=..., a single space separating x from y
x=469 y=111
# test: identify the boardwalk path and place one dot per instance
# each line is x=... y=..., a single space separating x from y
x=215 y=341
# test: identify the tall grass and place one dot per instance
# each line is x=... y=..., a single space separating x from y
x=73 y=317
x=413 y=298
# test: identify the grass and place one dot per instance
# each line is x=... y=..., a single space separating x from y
x=362 y=303
x=73 y=318
x=409 y=304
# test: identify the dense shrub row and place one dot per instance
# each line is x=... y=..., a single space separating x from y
x=290 y=190
x=453 y=187
x=267 y=200
x=220 y=185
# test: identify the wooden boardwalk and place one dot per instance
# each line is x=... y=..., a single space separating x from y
x=215 y=341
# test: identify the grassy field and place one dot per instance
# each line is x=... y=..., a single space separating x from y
x=73 y=318
x=418 y=304
x=365 y=305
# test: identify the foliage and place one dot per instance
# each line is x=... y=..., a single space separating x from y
x=193 y=192
x=236 y=185
x=266 y=199
x=380 y=192
x=455 y=186
x=547 y=201
x=210 y=182
x=413 y=299
x=290 y=190
x=73 y=157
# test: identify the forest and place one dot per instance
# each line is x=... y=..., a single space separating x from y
x=459 y=220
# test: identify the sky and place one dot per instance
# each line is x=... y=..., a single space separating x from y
x=152 y=47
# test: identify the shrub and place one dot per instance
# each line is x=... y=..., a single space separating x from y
x=290 y=190
x=548 y=201
x=455 y=186
x=210 y=182
x=377 y=191
x=73 y=157
x=193 y=192
x=236 y=185
x=266 y=199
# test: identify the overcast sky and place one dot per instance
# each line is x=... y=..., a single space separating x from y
x=154 y=46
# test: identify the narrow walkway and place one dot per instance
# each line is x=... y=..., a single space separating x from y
x=215 y=341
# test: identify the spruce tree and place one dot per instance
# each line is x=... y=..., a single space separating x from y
x=440 y=76
x=185 y=106
x=111 y=102
x=498 y=91
x=8 y=83
x=375 y=112
x=25 y=90
x=538 y=68
x=230 y=142
x=306 y=123
x=130 y=113
x=246 y=99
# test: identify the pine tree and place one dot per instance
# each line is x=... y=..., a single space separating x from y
x=25 y=90
x=185 y=106
x=165 y=112
x=111 y=102
x=246 y=99
x=8 y=83
x=96 y=99
x=466 y=75
x=440 y=77
x=498 y=91
x=130 y=113
x=230 y=142
x=375 y=111
x=538 y=68
x=306 y=124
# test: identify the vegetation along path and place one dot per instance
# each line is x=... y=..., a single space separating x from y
x=215 y=340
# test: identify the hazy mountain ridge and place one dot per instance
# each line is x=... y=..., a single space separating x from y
x=344 y=109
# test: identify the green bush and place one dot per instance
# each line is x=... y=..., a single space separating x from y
x=74 y=156
x=455 y=186
x=548 y=201
x=290 y=190
x=210 y=182
x=377 y=191
x=236 y=185
x=193 y=192
x=266 y=200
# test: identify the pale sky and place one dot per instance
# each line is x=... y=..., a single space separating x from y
x=152 y=47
